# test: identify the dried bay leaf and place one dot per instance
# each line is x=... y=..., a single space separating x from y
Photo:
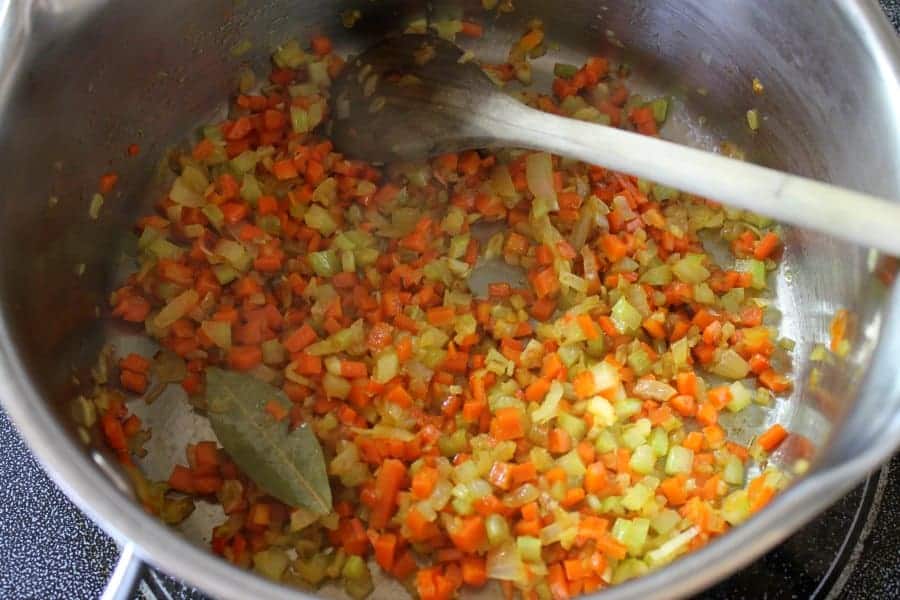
x=288 y=465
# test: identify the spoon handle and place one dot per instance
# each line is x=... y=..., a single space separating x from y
x=853 y=216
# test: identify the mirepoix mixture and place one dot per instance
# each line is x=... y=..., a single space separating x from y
x=374 y=413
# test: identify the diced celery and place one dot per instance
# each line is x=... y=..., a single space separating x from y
x=730 y=365
x=634 y=436
x=270 y=563
x=273 y=352
x=740 y=397
x=736 y=507
x=596 y=347
x=214 y=214
x=497 y=529
x=245 y=162
x=603 y=412
x=680 y=352
x=163 y=248
x=732 y=300
x=320 y=219
x=757 y=270
x=636 y=496
x=753 y=119
x=348 y=261
x=660 y=108
x=628 y=569
x=299 y=120
x=620 y=529
x=529 y=548
x=219 y=332
x=660 y=275
x=574 y=426
x=354 y=568
x=366 y=256
x=250 y=189
x=458 y=246
x=571 y=464
x=704 y=294
x=643 y=459
x=662 y=192
x=628 y=407
x=289 y=55
x=640 y=362
x=387 y=365
x=564 y=70
x=680 y=460
x=316 y=113
x=690 y=269
x=541 y=458
x=325 y=263
x=453 y=222
x=659 y=441
x=664 y=521
x=318 y=73
x=454 y=443
x=326 y=192
x=335 y=387
x=633 y=533
x=225 y=274
x=733 y=472
x=605 y=442
x=625 y=317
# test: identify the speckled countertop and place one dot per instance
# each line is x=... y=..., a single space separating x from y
x=49 y=550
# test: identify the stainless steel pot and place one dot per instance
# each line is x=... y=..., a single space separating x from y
x=82 y=79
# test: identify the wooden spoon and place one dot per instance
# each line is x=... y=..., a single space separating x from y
x=416 y=96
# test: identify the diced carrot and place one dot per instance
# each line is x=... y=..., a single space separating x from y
x=275 y=408
x=423 y=482
x=352 y=369
x=300 y=339
x=135 y=362
x=536 y=391
x=684 y=405
x=385 y=547
x=508 y=424
x=133 y=382
x=474 y=570
x=181 y=480
x=388 y=482
x=772 y=437
x=440 y=315
x=545 y=282
x=719 y=396
x=774 y=381
x=559 y=441
x=470 y=535
x=588 y=327
x=108 y=182
x=308 y=364
x=321 y=45
x=472 y=30
x=613 y=247
x=766 y=246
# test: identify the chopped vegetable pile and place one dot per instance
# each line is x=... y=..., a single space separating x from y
x=557 y=436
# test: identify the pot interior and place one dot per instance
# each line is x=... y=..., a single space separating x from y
x=149 y=73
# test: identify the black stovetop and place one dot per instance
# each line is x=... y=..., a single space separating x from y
x=49 y=550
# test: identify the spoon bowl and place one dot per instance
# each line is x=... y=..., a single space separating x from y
x=414 y=96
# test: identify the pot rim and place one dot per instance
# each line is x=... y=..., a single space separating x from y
x=74 y=472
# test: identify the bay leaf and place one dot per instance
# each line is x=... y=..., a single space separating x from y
x=288 y=465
